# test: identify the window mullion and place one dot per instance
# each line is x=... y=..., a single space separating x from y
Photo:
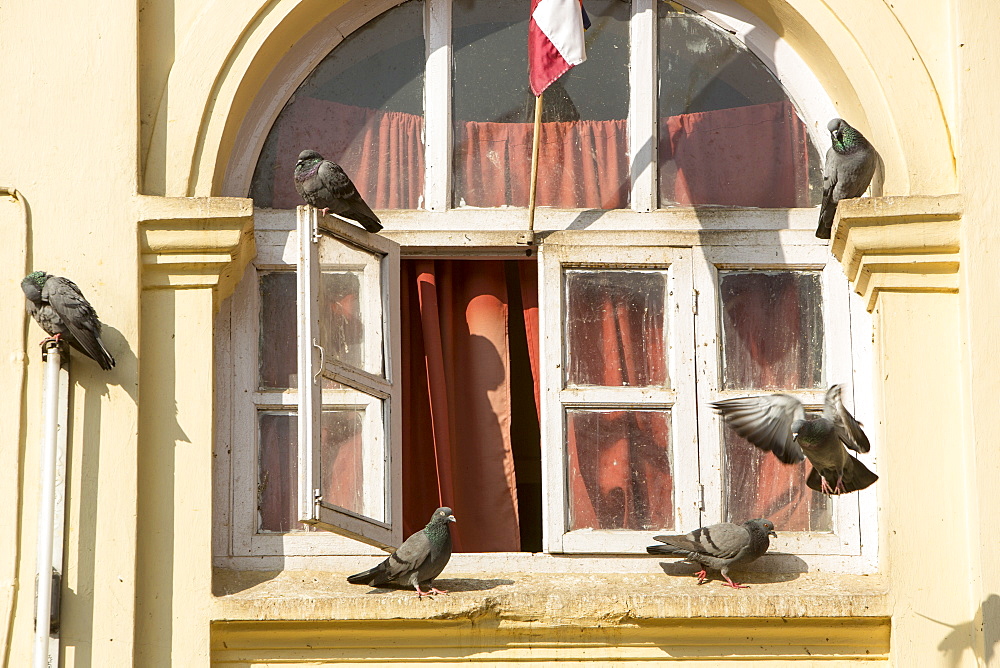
x=642 y=105
x=437 y=106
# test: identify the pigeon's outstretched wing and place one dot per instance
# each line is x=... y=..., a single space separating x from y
x=766 y=421
x=847 y=428
x=78 y=318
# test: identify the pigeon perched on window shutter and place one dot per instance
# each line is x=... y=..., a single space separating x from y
x=59 y=307
x=419 y=560
x=719 y=546
x=850 y=165
x=778 y=423
x=324 y=185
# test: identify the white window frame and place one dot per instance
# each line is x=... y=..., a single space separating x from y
x=557 y=396
x=442 y=231
x=375 y=389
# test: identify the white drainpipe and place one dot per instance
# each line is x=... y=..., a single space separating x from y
x=47 y=530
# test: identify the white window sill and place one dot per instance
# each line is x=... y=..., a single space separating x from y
x=582 y=599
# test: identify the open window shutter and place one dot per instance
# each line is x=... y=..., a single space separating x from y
x=350 y=409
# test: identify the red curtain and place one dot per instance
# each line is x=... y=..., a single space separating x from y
x=456 y=412
x=382 y=151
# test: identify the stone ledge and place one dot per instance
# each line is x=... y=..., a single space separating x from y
x=899 y=244
x=540 y=598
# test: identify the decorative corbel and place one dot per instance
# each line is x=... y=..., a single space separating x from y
x=899 y=244
x=195 y=242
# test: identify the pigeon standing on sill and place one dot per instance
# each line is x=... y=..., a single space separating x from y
x=778 y=423
x=719 y=546
x=59 y=307
x=850 y=165
x=324 y=185
x=419 y=560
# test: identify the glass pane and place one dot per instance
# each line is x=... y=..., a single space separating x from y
x=341 y=465
x=729 y=134
x=772 y=330
x=362 y=107
x=278 y=337
x=351 y=305
x=584 y=147
x=341 y=327
x=619 y=470
x=758 y=485
x=278 y=365
x=616 y=327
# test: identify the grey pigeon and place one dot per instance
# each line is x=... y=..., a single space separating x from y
x=59 y=307
x=720 y=546
x=324 y=185
x=419 y=560
x=778 y=423
x=850 y=165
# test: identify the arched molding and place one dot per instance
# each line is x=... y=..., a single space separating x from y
x=231 y=78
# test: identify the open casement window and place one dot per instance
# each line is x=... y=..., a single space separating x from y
x=772 y=319
x=619 y=434
x=349 y=408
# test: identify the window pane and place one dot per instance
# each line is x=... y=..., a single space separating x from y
x=341 y=463
x=619 y=470
x=341 y=327
x=278 y=337
x=758 y=485
x=772 y=330
x=583 y=156
x=362 y=107
x=729 y=134
x=616 y=327
x=278 y=334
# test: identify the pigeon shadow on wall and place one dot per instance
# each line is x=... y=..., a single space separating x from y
x=772 y=567
x=89 y=384
x=451 y=585
x=963 y=636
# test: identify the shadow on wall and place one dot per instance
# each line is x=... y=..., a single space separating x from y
x=963 y=636
x=88 y=381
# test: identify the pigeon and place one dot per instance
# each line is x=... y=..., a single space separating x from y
x=324 y=185
x=720 y=546
x=420 y=558
x=59 y=307
x=850 y=165
x=778 y=423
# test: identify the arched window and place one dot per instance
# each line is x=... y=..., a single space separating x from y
x=554 y=395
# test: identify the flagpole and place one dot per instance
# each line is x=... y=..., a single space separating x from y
x=528 y=237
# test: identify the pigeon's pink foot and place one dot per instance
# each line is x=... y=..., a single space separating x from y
x=734 y=585
x=702 y=576
x=824 y=486
x=435 y=590
x=840 y=489
x=421 y=593
x=324 y=211
x=57 y=338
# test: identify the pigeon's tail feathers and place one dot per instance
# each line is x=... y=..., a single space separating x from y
x=826 y=213
x=679 y=545
x=369 y=577
x=104 y=358
x=856 y=476
x=361 y=212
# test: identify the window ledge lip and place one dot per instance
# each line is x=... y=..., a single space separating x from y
x=547 y=598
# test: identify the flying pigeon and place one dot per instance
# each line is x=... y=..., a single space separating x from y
x=59 y=307
x=324 y=185
x=778 y=423
x=419 y=560
x=850 y=165
x=719 y=546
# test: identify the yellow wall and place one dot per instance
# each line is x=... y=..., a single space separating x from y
x=116 y=114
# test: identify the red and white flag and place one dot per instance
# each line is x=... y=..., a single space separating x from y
x=555 y=40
